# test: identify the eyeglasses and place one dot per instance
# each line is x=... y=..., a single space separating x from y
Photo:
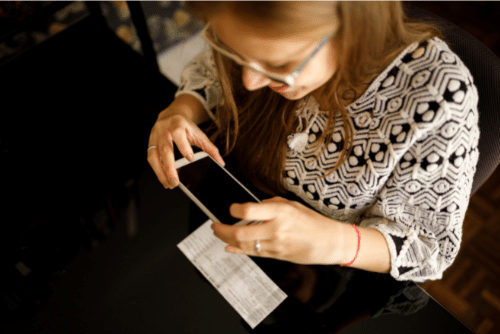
x=288 y=79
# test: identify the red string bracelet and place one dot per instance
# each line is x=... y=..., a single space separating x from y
x=357 y=250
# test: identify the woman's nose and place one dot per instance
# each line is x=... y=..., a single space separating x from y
x=253 y=80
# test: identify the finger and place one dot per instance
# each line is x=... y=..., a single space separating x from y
x=154 y=162
x=201 y=140
x=275 y=199
x=167 y=160
x=248 y=248
x=256 y=211
x=235 y=235
x=169 y=167
x=180 y=138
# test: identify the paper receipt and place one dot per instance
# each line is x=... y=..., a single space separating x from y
x=237 y=278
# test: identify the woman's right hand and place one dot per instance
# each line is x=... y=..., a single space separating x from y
x=170 y=129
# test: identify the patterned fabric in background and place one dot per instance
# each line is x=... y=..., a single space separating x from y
x=168 y=23
x=12 y=12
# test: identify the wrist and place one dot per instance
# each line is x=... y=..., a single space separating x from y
x=188 y=107
x=358 y=246
x=333 y=239
x=373 y=253
x=347 y=244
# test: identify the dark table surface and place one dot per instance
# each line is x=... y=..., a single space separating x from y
x=133 y=278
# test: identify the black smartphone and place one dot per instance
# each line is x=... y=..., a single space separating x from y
x=214 y=203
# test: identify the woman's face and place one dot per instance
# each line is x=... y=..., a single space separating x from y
x=276 y=54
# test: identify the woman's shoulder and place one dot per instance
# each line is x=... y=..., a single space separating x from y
x=427 y=86
x=433 y=54
x=432 y=64
x=437 y=74
x=427 y=71
x=421 y=60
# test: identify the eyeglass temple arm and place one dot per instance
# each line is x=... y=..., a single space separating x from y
x=299 y=68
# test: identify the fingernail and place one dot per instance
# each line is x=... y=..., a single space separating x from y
x=190 y=157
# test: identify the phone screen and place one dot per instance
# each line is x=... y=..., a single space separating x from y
x=214 y=187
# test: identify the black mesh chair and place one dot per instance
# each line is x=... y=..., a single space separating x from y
x=485 y=68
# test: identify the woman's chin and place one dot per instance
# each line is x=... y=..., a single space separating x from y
x=294 y=94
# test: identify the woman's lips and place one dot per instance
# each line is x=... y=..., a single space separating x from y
x=279 y=89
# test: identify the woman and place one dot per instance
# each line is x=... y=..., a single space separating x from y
x=366 y=115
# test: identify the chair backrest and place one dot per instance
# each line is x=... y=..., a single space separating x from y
x=484 y=66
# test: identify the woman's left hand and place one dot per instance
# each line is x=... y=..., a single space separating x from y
x=290 y=231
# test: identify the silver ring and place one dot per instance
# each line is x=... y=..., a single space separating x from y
x=150 y=147
x=257 y=246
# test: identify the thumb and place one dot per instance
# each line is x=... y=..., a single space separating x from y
x=275 y=199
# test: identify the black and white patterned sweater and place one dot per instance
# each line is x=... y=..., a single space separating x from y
x=413 y=160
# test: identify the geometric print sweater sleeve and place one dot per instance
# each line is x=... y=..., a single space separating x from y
x=414 y=155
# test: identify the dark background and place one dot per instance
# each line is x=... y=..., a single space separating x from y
x=99 y=170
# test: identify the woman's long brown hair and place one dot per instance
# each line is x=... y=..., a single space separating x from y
x=254 y=125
